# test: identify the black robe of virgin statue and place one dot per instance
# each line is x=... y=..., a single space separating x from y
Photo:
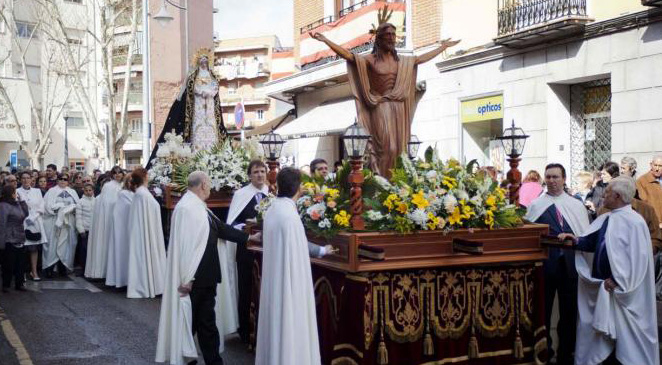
x=180 y=117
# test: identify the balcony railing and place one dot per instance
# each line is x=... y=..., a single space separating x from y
x=342 y=13
x=119 y=60
x=134 y=98
x=651 y=2
x=520 y=15
x=523 y=23
x=249 y=98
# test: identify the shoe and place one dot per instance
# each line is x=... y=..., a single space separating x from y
x=33 y=278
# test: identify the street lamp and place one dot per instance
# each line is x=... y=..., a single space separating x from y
x=272 y=143
x=513 y=140
x=356 y=140
x=412 y=147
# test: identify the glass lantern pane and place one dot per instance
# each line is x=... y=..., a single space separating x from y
x=507 y=146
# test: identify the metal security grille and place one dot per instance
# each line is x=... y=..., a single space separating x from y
x=590 y=130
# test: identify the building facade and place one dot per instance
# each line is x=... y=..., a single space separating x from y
x=244 y=65
x=39 y=85
x=579 y=77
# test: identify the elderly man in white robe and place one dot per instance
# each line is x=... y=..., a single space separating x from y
x=60 y=226
x=616 y=297
x=34 y=223
x=287 y=324
x=193 y=274
x=236 y=303
x=117 y=266
x=147 y=255
x=102 y=226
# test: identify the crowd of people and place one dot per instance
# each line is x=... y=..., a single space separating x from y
x=108 y=226
x=49 y=219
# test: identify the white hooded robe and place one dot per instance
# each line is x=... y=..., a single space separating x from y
x=147 y=257
x=60 y=227
x=287 y=324
x=117 y=267
x=101 y=231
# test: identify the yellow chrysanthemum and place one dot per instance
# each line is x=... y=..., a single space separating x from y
x=309 y=185
x=449 y=182
x=402 y=207
x=342 y=218
x=501 y=193
x=489 y=219
x=391 y=201
x=491 y=201
x=333 y=193
x=433 y=222
x=419 y=200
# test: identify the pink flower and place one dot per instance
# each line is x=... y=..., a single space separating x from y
x=315 y=215
x=331 y=204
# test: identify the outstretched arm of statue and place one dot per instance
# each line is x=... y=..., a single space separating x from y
x=340 y=51
x=446 y=43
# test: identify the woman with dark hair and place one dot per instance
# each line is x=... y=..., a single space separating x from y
x=147 y=255
x=12 y=238
x=595 y=198
x=77 y=183
x=42 y=184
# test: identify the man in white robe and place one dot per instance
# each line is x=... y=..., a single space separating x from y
x=287 y=323
x=192 y=274
x=60 y=226
x=117 y=267
x=617 y=310
x=34 y=222
x=147 y=256
x=102 y=223
x=235 y=292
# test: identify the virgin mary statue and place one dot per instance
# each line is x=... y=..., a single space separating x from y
x=196 y=113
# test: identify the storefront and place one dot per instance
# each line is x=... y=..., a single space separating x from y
x=481 y=119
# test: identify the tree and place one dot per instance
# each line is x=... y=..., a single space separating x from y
x=64 y=61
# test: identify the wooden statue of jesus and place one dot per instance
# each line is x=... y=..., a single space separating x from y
x=384 y=87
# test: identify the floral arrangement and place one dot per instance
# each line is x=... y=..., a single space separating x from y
x=432 y=195
x=171 y=152
x=421 y=195
x=225 y=164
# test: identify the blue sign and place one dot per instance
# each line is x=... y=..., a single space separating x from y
x=13 y=159
x=239 y=115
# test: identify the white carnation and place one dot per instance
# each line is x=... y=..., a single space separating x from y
x=324 y=223
x=419 y=217
x=449 y=203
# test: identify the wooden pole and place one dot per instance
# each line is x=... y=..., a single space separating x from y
x=356 y=194
x=274 y=166
x=514 y=177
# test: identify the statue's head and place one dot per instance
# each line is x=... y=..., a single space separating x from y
x=385 y=38
x=203 y=59
x=203 y=62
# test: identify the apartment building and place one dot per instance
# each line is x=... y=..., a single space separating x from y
x=580 y=77
x=39 y=90
x=244 y=65
x=319 y=90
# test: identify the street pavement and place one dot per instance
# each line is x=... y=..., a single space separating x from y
x=72 y=321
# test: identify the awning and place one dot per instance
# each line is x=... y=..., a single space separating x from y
x=328 y=118
x=267 y=127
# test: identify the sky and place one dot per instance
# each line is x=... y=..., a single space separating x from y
x=248 y=18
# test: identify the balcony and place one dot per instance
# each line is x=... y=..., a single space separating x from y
x=243 y=70
x=343 y=12
x=119 y=60
x=135 y=101
x=651 y=2
x=523 y=23
x=256 y=98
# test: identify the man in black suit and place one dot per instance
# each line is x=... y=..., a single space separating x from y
x=241 y=209
x=202 y=289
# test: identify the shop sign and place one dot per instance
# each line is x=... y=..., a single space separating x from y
x=481 y=109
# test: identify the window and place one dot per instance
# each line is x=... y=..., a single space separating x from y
x=260 y=114
x=76 y=165
x=24 y=30
x=136 y=126
x=74 y=1
x=75 y=123
x=74 y=41
x=232 y=89
x=34 y=74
